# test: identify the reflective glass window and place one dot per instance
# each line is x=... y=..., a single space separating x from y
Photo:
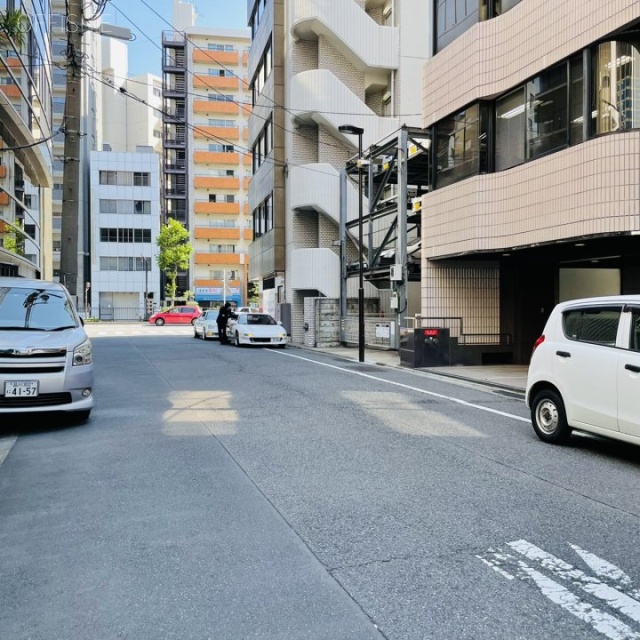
x=547 y=112
x=510 y=127
x=616 y=86
x=460 y=146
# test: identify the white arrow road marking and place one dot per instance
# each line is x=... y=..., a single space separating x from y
x=620 y=597
x=607 y=570
x=565 y=571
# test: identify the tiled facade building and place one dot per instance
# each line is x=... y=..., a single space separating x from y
x=534 y=111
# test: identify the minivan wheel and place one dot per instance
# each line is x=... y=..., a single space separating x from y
x=159 y=322
x=549 y=418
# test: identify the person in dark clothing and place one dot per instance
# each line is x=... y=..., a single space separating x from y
x=222 y=320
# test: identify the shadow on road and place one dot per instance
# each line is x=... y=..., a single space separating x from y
x=34 y=423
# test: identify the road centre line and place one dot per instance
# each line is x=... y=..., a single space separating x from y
x=433 y=394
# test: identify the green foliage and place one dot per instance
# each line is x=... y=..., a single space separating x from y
x=175 y=253
x=13 y=26
x=253 y=292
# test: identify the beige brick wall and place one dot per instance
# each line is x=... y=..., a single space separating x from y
x=592 y=188
x=470 y=290
x=498 y=54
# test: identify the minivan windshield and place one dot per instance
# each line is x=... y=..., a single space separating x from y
x=39 y=309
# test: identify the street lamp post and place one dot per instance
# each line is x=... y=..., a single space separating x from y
x=358 y=131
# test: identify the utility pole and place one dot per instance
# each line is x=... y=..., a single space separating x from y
x=71 y=176
x=72 y=265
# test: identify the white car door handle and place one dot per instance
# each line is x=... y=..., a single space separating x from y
x=632 y=367
x=563 y=354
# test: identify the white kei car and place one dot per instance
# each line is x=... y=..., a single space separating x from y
x=205 y=326
x=585 y=370
x=259 y=329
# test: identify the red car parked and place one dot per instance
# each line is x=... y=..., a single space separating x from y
x=176 y=315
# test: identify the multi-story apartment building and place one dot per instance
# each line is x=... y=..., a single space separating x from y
x=315 y=67
x=131 y=106
x=534 y=111
x=25 y=141
x=206 y=164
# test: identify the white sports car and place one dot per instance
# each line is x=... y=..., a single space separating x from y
x=205 y=326
x=257 y=329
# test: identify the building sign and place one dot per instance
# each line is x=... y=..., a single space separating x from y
x=216 y=293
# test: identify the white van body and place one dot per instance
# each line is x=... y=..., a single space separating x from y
x=46 y=360
x=585 y=370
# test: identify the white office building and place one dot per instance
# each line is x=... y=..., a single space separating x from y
x=125 y=201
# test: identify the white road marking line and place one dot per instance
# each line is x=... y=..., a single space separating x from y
x=410 y=388
x=609 y=625
x=605 y=569
x=614 y=598
x=5 y=446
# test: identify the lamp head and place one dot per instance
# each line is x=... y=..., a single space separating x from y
x=351 y=129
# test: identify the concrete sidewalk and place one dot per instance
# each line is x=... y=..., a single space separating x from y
x=510 y=377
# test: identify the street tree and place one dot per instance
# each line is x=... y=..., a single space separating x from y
x=175 y=253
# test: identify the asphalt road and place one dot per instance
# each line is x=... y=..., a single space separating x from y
x=230 y=494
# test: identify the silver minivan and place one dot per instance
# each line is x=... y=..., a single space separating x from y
x=585 y=370
x=46 y=360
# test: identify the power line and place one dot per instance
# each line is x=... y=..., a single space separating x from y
x=195 y=45
x=197 y=129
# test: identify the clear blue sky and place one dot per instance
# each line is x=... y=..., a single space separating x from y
x=145 y=56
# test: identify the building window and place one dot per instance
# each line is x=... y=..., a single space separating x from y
x=461 y=145
x=141 y=179
x=263 y=71
x=263 y=145
x=142 y=207
x=108 y=206
x=220 y=47
x=454 y=17
x=615 y=95
x=263 y=217
x=222 y=148
x=576 y=101
x=123 y=235
x=510 y=127
x=216 y=122
x=547 y=112
x=124 y=206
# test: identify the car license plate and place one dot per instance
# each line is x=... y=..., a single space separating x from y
x=21 y=388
